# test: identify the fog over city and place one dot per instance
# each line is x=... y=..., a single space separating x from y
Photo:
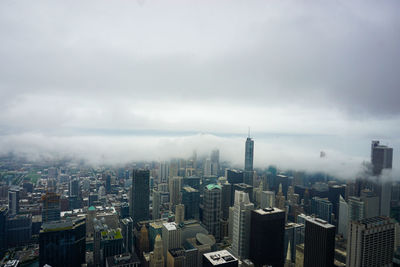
x=116 y=81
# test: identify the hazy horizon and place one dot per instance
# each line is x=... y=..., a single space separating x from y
x=149 y=80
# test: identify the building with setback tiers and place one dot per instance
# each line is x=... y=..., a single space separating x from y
x=219 y=258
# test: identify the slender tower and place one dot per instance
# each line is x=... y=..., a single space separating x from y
x=248 y=161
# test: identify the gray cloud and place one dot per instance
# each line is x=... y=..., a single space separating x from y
x=296 y=67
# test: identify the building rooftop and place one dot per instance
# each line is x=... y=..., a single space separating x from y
x=268 y=211
x=320 y=222
x=375 y=221
x=170 y=226
x=219 y=257
x=213 y=186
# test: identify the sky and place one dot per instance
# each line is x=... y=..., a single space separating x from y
x=114 y=81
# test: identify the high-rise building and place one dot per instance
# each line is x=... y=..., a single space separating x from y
x=62 y=243
x=356 y=209
x=191 y=200
x=322 y=208
x=319 y=243
x=155 y=212
x=234 y=176
x=50 y=207
x=267 y=236
x=163 y=172
x=13 y=201
x=140 y=195
x=127 y=234
x=74 y=188
x=157 y=256
x=215 y=162
x=280 y=199
x=220 y=258
x=179 y=213
x=267 y=199
x=226 y=194
x=176 y=257
x=207 y=168
x=381 y=157
x=343 y=217
x=244 y=188
x=108 y=183
x=212 y=209
x=371 y=203
x=171 y=236
x=370 y=242
x=293 y=237
x=248 y=161
x=3 y=230
x=19 y=230
x=241 y=221
x=175 y=187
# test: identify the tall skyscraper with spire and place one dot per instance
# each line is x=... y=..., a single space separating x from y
x=248 y=161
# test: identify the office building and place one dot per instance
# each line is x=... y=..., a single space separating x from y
x=191 y=202
x=280 y=200
x=343 y=217
x=140 y=195
x=192 y=181
x=127 y=234
x=19 y=230
x=74 y=188
x=267 y=237
x=156 y=205
x=179 y=213
x=356 y=209
x=212 y=209
x=220 y=258
x=244 y=188
x=171 y=237
x=123 y=260
x=176 y=257
x=267 y=199
x=3 y=230
x=293 y=237
x=13 y=201
x=215 y=162
x=163 y=172
x=234 y=176
x=248 y=162
x=322 y=208
x=108 y=183
x=62 y=243
x=50 y=207
x=241 y=221
x=319 y=243
x=370 y=242
x=175 y=187
x=381 y=157
x=157 y=256
x=371 y=203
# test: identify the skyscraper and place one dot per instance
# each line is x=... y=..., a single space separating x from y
x=241 y=220
x=74 y=188
x=319 y=243
x=140 y=195
x=157 y=256
x=381 y=157
x=212 y=209
x=13 y=201
x=267 y=236
x=50 y=207
x=322 y=208
x=3 y=229
x=191 y=199
x=175 y=186
x=171 y=236
x=370 y=242
x=248 y=161
x=63 y=243
x=215 y=162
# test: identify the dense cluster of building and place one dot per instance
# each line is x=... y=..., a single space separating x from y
x=197 y=212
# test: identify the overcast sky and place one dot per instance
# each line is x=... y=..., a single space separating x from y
x=130 y=80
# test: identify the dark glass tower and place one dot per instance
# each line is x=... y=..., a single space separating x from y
x=191 y=200
x=267 y=237
x=63 y=243
x=50 y=207
x=140 y=195
x=319 y=243
x=248 y=161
